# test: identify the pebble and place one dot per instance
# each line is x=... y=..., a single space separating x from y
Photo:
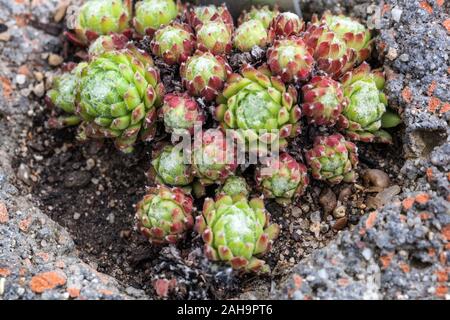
x=315 y=217
x=39 y=90
x=340 y=223
x=404 y=57
x=21 y=79
x=90 y=164
x=55 y=60
x=339 y=212
x=5 y=36
x=345 y=194
x=296 y=212
x=396 y=14
x=60 y=11
x=23 y=173
x=367 y=253
x=327 y=200
x=77 y=179
x=305 y=208
x=392 y=54
x=111 y=218
x=76 y=216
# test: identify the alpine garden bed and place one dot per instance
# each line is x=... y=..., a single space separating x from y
x=337 y=163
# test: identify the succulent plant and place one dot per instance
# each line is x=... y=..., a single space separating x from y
x=333 y=159
x=214 y=36
x=291 y=59
x=107 y=43
x=180 y=112
x=213 y=161
x=200 y=14
x=362 y=117
x=259 y=103
x=352 y=32
x=117 y=97
x=63 y=96
x=332 y=54
x=286 y=24
x=282 y=178
x=204 y=74
x=234 y=186
x=263 y=14
x=164 y=215
x=236 y=230
x=150 y=15
x=100 y=17
x=249 y=34
x=174 y=43
x=169 y=166
x=323 y=101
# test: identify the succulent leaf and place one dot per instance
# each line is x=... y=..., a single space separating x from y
x=286 y=24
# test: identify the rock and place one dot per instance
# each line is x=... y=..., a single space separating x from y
x=396 y=14
x=340 y=223
x=339 y=212
x=5 y=36
x=4 y=217
x=77 y=179
x=21 y=79
x=392 y=54
x=327 y=200
x=55 y=60
x=39 y=90
x=47 y=280
x=376 y=178
x=60 y=11
x=315 y=217
x=23 y=173
x=344 y=194
x=404 y=57
x=76 y=216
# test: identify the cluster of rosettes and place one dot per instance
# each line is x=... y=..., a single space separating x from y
x=316 y=70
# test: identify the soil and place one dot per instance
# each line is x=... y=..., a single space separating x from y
x=90 y=189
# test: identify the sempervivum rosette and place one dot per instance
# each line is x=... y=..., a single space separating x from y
x=260 y=105
x=282 y=178
x=323 y=101
x=165 y=215
x=117 y=97
x=332 y=54
x=170 y=166
x=291 y=59
x=263 y=14
x=237 y=231
x=234 y=186
x=213 y=160
x=150 y=15
x=286 y=24
x=106 y=43
x=204 y=74
x=362 y=117
x=99 y=17
x=63 y=96
x=180 y=113
x=214 y=36
x=174 y=43
x=198 y=15
x=249 y=34
x=353 y=33
x=333 y=159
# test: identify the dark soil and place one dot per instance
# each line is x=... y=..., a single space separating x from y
x=91 y=189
